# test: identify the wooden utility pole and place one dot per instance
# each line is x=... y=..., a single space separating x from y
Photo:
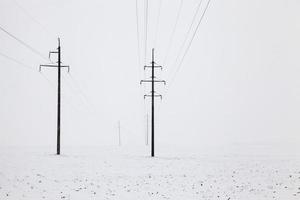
x=58 y=66
x=152 y=95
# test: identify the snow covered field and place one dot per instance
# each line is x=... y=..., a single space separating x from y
x=128 y=173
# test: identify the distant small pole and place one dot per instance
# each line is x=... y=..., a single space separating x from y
x=119 y=129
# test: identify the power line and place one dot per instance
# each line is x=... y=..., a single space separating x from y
x=76 y=84
x=157 y=23
x=24 y=44
x=34 y=19
x=146 y=4
x=173 y=32
x=25 y=66
x=138 y=32
x=16 y=61
x=75 y=93
x=189 y=45
x=146 y=29
x=188 y=32
x=139 y=54
x=48 y=80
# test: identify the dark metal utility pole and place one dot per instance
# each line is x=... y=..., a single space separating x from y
x=58 y=66
x=153 y=95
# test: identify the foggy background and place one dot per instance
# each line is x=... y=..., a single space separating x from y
x=238 y=84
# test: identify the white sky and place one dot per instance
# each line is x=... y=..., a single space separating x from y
x=239 y=82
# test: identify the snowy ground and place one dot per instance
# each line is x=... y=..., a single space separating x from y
x=123 y=173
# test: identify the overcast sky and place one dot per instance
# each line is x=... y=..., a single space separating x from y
x=239 y=82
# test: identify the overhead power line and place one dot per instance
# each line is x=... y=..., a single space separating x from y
x=24 y=44
x=157 y=23
x=83 y=95
x=25 y=66
x=46 y=30
x=189 y=44
x=138 y=31
x=173 y=32
x=74 y=91
x=142 y=89
x=16 y=61
x=146 y=29
x=188 y=32
x=139 y=48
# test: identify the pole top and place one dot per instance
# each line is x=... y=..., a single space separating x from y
x=152 y=55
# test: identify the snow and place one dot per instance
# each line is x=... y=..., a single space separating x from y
x=129 y=173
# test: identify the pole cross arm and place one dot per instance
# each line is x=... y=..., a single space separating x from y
x=51 y=52
x=150 y=81
x=144 y=81
x=156 y=95
x=160 y=81
x=152 y=66
x=40 y=68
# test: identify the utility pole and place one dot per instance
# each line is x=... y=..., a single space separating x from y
x=152 y=95
x=58 y=66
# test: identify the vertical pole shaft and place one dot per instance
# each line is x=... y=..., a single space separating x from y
x=152 y=117
x=119 y=128
x=58 y=101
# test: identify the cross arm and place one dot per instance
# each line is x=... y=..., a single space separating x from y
x=156 y=81
x=156 y=95
x=64 y=66
x=51 y=52
x=153 y=66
